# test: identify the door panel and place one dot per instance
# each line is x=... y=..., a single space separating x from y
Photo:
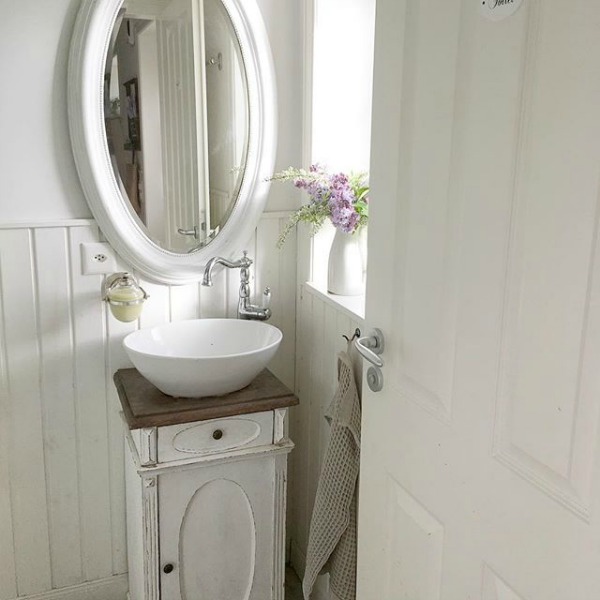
x=216 y=528
x=479 y=475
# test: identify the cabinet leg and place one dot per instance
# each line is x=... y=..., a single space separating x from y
x=151 y=577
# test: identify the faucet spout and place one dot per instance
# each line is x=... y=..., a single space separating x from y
x=242 y=263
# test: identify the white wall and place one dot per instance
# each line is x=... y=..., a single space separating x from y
x=61 y=480
x=284 y=22
x=38 y=181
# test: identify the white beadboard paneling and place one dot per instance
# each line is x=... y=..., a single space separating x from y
x=116 y=458
x=321 y=324
x=213 y=299
x=316 y=399
x=184 y=302
x=8 y=576
x=62 y=505
x=92 y=425
x=328 y=371
x=156 y=309
x=27 y=469
x=116 y=358
x=277 y=269
x=51 y=246
x=299 y=472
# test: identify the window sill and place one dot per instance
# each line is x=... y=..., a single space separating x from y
x=352 y=306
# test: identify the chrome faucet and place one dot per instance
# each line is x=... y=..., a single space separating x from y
x=245 y=309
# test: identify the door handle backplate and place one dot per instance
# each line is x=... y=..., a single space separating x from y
x=370 y=347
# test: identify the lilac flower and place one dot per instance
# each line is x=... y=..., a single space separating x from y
x=340 y=188
x=341 y=198
x=343 y=214
x=317 y=190
x=339 y=180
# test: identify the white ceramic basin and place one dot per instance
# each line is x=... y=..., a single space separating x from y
x=203 y=357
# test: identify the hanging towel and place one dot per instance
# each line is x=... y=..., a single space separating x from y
x=332 y=537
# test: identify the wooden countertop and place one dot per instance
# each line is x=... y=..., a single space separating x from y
x=146 y=406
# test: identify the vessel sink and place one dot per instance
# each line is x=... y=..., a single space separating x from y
x=202 y=357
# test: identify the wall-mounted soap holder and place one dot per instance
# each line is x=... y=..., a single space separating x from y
x=124 y=296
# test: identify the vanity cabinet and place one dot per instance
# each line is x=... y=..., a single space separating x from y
x=205 y=485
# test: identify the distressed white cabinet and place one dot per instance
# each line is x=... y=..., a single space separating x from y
x=206 y=497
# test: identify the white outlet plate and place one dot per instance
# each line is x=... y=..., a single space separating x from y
x=97 y=258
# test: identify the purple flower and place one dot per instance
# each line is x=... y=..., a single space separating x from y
x=343 y=213
x=316 y=189
x=341 y=203
x=339 y=180
x=341 y=198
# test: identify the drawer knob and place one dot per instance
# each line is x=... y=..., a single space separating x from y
x=168 y=568
x=217 y=434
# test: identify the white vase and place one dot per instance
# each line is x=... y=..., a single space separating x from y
x=345 y=272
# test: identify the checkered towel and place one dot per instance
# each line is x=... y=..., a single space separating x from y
x=332 y=537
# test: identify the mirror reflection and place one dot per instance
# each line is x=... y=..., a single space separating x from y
x=176 y=115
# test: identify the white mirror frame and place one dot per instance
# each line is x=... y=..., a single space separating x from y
x=89 y=47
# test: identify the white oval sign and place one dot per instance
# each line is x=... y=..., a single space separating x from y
x=496 y=10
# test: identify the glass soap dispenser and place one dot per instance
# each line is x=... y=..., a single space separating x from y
x=124 y=296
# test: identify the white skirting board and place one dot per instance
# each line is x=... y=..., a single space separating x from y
x=110 y=588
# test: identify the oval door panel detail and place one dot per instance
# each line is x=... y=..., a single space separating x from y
x=217 y=543
x=216 y=436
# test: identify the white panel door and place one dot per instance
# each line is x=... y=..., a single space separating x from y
x=480 y=456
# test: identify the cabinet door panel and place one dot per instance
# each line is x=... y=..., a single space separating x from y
x=217 y=537
x=216 y=529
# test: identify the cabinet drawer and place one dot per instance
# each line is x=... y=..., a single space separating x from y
x=177 y=442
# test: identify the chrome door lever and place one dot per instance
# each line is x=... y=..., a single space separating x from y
x=194 y=232
x=371 y=346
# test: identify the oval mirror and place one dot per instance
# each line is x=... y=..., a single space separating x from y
x=172 y=118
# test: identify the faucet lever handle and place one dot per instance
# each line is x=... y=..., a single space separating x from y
x=266 y=303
